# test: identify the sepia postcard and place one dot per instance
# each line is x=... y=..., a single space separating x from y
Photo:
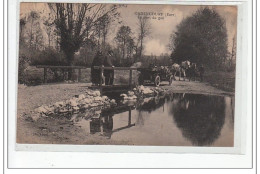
x=127 y=74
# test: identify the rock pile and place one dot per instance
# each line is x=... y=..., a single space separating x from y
x=91 y=99
x=148 y=92
x=142 y=92
x=83 y=101
x=129 y=96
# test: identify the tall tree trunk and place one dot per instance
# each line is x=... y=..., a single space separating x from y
x=70 y=58
x=141 y=49
x=49 y=40
x=123 y=49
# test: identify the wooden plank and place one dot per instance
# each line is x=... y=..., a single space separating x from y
x=62 y=67
x=110 y=86
x=115 y=68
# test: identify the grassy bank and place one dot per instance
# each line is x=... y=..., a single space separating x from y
x=34 y=76
x=221 y=80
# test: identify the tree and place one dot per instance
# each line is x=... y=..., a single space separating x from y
x=22 y=25
x=233 y=52
x=31 y=32
x=143 y=31
x=48 y=23
x=130 y=47
x=33 y=19
x=201 y=38
x=75 y=24
x=124 y=41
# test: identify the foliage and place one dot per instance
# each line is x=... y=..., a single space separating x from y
x=23 y=64
x=144 y=30
x=33 y=31
x=125 y=42
x=201 y=38
x=75 y=24
x=48 y=25
x=49 y=56
x=162 y=60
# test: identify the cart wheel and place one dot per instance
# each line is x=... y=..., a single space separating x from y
x=170 y=79
x=157 y=80
x=140 y=80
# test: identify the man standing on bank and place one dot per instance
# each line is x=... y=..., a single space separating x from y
x=109 y=74
x=95 y=73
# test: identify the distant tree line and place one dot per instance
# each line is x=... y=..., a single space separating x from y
x=71 y=34
x=202 y=38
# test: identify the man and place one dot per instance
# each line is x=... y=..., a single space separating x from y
x=95 y=73
x=201 y=70
x=109 y=74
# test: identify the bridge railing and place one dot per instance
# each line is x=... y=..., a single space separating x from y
x=45 y=67
x=102 y=68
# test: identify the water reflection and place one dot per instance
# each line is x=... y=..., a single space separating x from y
x=199 y=117
x=173 y=119
x=103 y=123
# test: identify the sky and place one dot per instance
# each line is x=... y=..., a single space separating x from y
x=161 y=29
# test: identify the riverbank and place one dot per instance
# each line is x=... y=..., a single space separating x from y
x=61 y=130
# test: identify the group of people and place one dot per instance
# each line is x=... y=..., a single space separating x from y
x=105 y=60
x=102 y=60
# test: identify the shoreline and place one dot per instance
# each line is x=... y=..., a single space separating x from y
x=47 y=130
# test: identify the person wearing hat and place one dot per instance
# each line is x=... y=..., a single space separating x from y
x=95 y=73
x=109 y=74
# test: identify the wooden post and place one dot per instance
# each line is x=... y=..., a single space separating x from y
x=79 y=75
x=129 y=117
x=45 y=75
x=101 y=79
x=130 y=79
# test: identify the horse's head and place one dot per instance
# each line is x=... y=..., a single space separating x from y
x=185 y=64
x=175 y=66
x=188 y=63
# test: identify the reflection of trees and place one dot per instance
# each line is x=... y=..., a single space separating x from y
x=199 y=117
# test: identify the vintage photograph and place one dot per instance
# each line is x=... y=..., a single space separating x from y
x=126 y=74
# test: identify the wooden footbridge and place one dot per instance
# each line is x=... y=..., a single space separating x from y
x=113 y=88
x=102 y=87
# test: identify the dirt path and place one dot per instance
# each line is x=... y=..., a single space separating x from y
x=47 y=130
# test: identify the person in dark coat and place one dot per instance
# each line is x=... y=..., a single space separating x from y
x=201 y=71
x=109 y=74
x=95 y=73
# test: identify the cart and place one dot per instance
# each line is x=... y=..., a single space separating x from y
x=154 y=75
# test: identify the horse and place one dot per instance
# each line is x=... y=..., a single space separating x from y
x=181 y=69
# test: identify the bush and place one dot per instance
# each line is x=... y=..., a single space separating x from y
x=23 y=64
x=48 y=57
x=33 y=80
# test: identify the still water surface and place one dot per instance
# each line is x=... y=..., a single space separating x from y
x=173 y=120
